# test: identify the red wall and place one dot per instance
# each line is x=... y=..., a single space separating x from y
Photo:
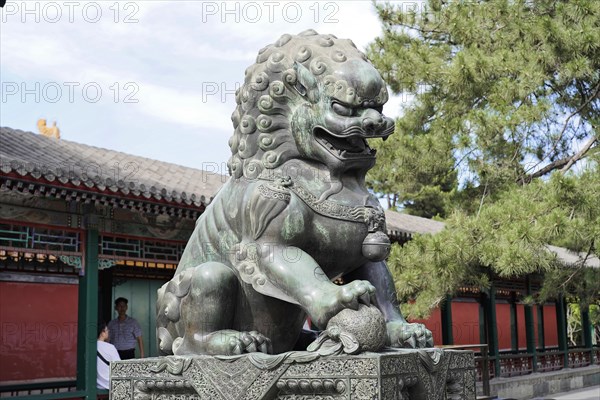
x=521 y=326
x=465 y=322
x=503 y=324
x=38 y=331
x=550 y=329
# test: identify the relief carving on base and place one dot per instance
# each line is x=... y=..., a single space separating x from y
x=424 y=374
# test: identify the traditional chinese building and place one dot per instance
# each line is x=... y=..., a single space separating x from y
x=81 y=226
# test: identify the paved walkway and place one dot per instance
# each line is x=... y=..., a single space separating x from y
x=589 y=393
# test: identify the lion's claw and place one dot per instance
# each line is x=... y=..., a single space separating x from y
x=355 y=293
x=231 y=342
x=365 y=299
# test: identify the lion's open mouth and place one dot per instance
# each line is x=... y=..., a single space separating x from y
x=344 y=147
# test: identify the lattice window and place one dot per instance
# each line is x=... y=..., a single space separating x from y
x=140 y=249
x=34 y=238
x=55 y=240
x=120 y=247
x=163 y=251
x=14 y=236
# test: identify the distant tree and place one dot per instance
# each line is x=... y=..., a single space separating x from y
x=506 y=102
x=508 y=238
x=575 y=327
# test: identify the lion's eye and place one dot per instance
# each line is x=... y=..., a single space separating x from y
x=300 y=89
x=342 y=110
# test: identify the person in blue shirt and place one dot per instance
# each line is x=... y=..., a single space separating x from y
x=125 y=332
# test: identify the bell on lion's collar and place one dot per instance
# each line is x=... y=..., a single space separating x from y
x=376 y=246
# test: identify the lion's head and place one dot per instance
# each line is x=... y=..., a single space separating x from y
x=308 y=96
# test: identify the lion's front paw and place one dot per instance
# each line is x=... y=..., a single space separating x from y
x=339 y=298
x=225 y=342
x=404 y=334
x=245 y=342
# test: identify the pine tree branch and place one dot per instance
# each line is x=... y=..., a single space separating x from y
x=579 y=154
x=564 y=163
x=548 y=168
x=427 y=32
x=593 y=96
x=482 y=198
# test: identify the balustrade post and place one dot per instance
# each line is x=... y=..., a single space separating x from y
x=485 y=372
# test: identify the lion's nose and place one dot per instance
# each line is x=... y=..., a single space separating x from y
x=372 y=122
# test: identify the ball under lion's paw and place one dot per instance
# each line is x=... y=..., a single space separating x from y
x=366 y=324
x=352 y=331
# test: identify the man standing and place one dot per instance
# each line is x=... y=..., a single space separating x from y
x=125 y=332
x=106 y=353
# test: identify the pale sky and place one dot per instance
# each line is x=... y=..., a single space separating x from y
x=151 y=78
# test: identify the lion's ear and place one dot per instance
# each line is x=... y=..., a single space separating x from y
x=306 y=84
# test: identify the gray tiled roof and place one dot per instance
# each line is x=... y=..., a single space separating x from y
x=573 y=258
x=405 y=223
x=82 y=166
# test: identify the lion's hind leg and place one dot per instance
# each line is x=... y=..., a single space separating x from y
x=168 y=311
x=201 y=304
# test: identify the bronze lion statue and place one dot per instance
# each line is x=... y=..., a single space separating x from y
x=295 y=214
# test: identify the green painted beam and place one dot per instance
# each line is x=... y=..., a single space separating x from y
x=482 y=317
x=561 y=326
x=541 y=335
x=447 y=337
x=530 y=330
x=87 y=321
x=492 y=327
x=586 y=326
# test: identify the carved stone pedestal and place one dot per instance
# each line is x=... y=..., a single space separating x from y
x=431 y=374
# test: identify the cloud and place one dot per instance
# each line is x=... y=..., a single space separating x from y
x=176 y=54
x=181 y=108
